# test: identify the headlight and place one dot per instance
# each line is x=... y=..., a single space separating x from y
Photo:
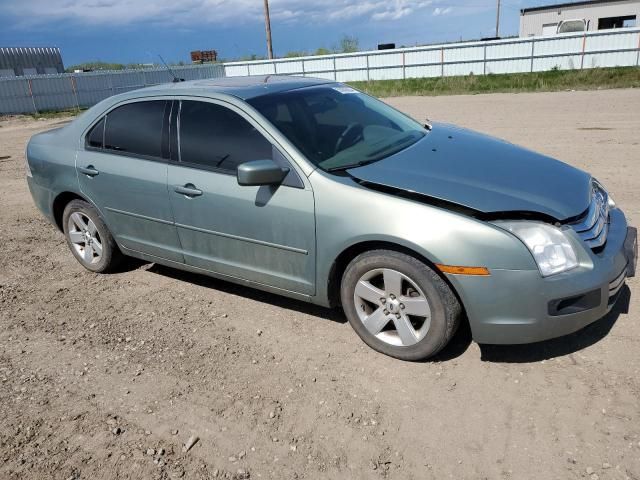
x=549 y=245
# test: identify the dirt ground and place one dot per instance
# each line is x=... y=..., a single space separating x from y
x=107 y=376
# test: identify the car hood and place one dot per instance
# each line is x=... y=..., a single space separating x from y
x=482 y=173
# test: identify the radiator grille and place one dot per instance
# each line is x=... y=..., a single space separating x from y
x=593 y=226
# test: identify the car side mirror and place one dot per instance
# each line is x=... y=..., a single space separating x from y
x=261 y=172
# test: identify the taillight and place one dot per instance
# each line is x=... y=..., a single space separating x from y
x=26 y=161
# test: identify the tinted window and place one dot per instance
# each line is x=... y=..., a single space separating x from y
x=136 y=128
x=95 y=137
x=216 y=137
x=336 y=126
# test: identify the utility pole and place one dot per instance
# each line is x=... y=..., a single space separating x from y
x=497 y=19
x=267 y=24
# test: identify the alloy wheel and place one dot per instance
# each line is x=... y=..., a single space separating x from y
x=85 y=238
x=392 y=307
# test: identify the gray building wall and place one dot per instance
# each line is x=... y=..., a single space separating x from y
x=19 y=61
x=532 y=22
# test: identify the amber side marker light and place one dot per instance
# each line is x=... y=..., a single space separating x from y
x=458 y=270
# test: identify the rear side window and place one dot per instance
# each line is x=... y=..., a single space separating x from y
x=136 y=128
x=215 y=137
x=95 y=138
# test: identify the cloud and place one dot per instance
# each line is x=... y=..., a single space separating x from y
x=392 y=14
x=441 y=11
x=220 y=12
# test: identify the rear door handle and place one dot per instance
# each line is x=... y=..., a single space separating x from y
x=89 y=171
x=189 y=190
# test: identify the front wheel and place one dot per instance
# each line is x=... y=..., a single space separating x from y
x=88 y=238
x=398 y=305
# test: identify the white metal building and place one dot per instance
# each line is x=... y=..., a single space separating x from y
x=589 y=15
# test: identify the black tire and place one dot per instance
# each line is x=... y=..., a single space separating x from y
x=443 y=303
x=111 y=256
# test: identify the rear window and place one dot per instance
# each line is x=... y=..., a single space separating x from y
x=136 y=128
x=95 y=138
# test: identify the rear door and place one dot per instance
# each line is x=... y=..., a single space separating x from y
x=122 y=169
x=263 y=234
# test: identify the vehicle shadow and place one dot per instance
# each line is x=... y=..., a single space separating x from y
x=526 y=353
x=456 y=347
x=557 y=347
x=334 y=315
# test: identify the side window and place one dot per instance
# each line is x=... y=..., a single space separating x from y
x=216 y=137
x=95 y=138
x=136 y=128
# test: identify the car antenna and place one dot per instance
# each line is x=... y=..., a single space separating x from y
x=176 y=79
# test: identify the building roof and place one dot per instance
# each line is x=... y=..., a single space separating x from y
x=241 y=87
x=18 y=60
x=557 y=6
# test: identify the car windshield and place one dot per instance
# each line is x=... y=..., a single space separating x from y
x=337 y=127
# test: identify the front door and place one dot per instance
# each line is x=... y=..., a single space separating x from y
x=262 y=234
x=122 y=169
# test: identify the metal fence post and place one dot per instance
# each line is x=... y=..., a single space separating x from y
x=110 y=82
x=638 y=56
x=584 y=43
x=484 y=60
x=33 y=100
x=335 y=71
x=404 y=66
x=368 y=74
x=533 y=43
x=74 y=90
x=442 y=61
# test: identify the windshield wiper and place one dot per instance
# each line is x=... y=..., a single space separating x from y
x=350 y=165
x=376 y=155
x=397 y=143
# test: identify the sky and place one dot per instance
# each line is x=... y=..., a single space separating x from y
x=137 y=31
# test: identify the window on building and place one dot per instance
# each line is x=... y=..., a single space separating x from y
x=616 y=22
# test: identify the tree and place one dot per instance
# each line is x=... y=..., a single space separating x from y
x=294 y=54
x=323 y=51
x=97 y=65
x=349 y=44
x=252 y=56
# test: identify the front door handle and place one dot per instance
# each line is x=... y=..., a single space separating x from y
x=89 y=171
x=188 y=190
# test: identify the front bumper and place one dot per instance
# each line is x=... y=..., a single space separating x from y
x=520 y=306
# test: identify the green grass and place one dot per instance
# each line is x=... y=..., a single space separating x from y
x=554 y=80
x=52 y=114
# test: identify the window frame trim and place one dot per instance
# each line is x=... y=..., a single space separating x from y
x=105 y=114
x=302 y=183
x=90 y=130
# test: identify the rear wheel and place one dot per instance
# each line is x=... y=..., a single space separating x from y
x=398 y=305
x=88 y=238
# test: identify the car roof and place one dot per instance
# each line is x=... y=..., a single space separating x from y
x=241 y=87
